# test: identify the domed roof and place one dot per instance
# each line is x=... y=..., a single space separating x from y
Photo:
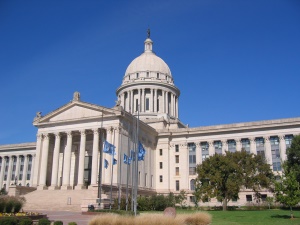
x=148 y=61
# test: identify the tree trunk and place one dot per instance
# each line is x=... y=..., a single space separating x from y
x=225 y=204
x=292 y=215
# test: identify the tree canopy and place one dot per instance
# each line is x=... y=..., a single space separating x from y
x=293 y=157
x=222 y=176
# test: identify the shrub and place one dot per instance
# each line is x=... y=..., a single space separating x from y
x=44 y=221
x=9 y=205
x=198 y=218
x=9 y=221
x=72 y=223
x=25 y=221
x=58 y=223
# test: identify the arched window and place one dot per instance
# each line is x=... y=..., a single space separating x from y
x=192 y=184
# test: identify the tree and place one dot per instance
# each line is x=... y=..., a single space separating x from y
x=287 y=188
x=293 y=157
x=222 y=176
x=180 y=198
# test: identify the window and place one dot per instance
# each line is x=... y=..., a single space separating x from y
x=177 y=185
x=260 y=146
x=218 y=147
x=288 y=140
x=231 y=145
x=192 y=198
x=205 y=150
x=147 y=74
x=160 y=152
x=234 y=199
x=176 y=148
x=147 y=104
x=246 y=145
x=192 y=184
x=177 y=171
x=192 y=171
x=263 y=197
x=176 y=158
x=160 y=178
x=157 y=75
x=137 y=75
x=249 y=198
x=192 y=159
x=276 y=161
x=160 y=165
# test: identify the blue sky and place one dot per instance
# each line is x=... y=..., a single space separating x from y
x=234 y=61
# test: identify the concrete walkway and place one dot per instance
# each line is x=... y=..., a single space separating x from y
x=67 y=216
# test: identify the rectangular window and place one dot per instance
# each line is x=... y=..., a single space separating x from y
x=176 y=148
x=137 y=75
x=177 y=171
x=275 y=151
x=177 y=185
x=246 y=145
x=288 y=140
x=260 y=146
x=147 y=74
x=192 y=159
x=249 y=198
x=218 y=147
x=160 y=152
x=160 y=178
x=157 y=75
x=231 y=145
x=192 y=171
x=160 y=165
x=263 y=197
x=205 y=150
x=176 y=158
x=192 y=198
x=147 y=104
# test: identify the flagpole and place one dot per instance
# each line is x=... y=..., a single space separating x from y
x=120 y=170
x=112 y=171
x=128 y=167
x=136 y=161
x=100 y=165
x=133 y=165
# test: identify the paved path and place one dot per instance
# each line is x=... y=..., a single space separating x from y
x=67 y=216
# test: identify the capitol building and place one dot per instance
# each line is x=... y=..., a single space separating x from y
x=66 y=155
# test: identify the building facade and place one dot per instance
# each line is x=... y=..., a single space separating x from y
x=68 y=152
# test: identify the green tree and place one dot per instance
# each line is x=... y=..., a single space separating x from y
x=180 y=198
x=293 y=157
x=287 y=189
x=222 y=176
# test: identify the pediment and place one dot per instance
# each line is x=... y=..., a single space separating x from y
x=75 y=111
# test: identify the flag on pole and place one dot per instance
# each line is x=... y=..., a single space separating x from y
x=142 y=152
x=126 y=160
x=105 y=164
x=132 y=155
x=109 y=148
x=115 y=161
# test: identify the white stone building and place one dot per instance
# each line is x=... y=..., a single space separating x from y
x=66 y=155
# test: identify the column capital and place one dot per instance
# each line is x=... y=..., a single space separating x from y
x=281 y=137
x=57 y=135
x=211 y=143
x=252 y=139
x=69 y=134
x=96 y=131
x=39 y=136
x=82 y=132
x=46 y=136
x=267 y=138
x=197 y=144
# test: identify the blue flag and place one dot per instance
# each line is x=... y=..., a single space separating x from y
x=126 y=160
x=142 y=152
x=105 y=164
x=115 y=161
x=109 y=148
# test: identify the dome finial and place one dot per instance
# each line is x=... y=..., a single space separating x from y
x=148 y=32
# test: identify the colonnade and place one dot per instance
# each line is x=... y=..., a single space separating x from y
x=16 y=169
x=44 y=178
x=168 y=104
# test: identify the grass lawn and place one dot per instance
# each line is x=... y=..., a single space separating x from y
x=266 y=217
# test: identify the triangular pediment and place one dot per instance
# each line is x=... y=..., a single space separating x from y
x=74 y=111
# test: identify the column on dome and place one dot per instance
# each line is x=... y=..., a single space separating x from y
x=36 y=169
x=238 y=144
x=151 y=101
x=172 y=104
x=2 y=170
x=55 y=161
x=155 y=100
x=10 y=162
x=80 y=182
x=143 y=101
x=268 y=152
x=173 y=107
x=95 y=156
x=166 y=102
x=282 y=148
x=67 y=162
x=252 y=145
x=131 y=101
x=176 y=102
x=25 y=170
x=44 y=161
x=211 y=149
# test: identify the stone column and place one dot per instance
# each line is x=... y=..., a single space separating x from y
x=238 y=144
x=116 y=143
x=155 y=100
x=211 y=150
x=177 y=115
x=36 y=169
x=80 y=181
x=151 y=101
x=32 y=168
x=143 y=101
x=44 y=162
x=25 y=170
x=55 y=161
x=224 y=146
x=282 y=148
x=67 y=162
x=131 y=102
x=172 y=104
x=95 y=157
x=268 y=152
x=10 y=162
x=2 y=170
x=17 y=172
x=198 y=153
x=252 y=145
x=167 y=102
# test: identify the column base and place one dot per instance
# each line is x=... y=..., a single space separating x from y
x=80 y=187
x=66 y=187
x=42 y=187
x=53 y=188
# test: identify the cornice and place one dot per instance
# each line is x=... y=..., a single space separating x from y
x=18 y=146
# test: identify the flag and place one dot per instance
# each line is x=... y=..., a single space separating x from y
x=126 y=160
x=105 y=164
x=115 y=161
x=109 y=148
x=142 y=152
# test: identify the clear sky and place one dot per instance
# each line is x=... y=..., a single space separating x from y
x=234 y=60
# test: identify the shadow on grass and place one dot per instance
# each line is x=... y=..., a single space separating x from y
x=282 y=216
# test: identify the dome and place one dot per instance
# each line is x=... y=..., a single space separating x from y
x=148 y=61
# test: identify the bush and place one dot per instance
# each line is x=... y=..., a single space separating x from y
x=58 y=223
x=9 y=221
x=44 y=222
x=25 y=221
x=72 y=223
x=9 y=206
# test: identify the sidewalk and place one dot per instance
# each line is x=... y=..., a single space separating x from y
x=67 y=216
